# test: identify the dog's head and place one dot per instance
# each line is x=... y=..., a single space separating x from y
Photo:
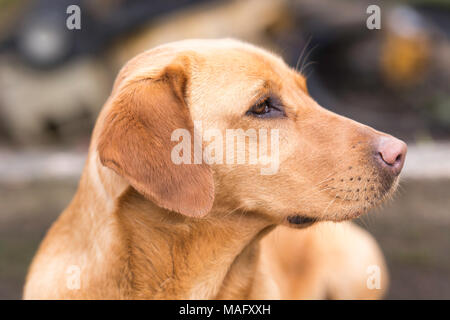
x=203 y=123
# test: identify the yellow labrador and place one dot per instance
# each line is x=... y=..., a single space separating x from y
x=169 y=208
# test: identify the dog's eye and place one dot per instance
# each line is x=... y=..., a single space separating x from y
x=266 y=109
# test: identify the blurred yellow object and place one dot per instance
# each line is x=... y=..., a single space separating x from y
x=406 y=49
x=246 y=20
x=404 y=60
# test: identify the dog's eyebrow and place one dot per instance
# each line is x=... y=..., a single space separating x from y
x=262 y=90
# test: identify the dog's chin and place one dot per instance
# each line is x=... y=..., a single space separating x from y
x=347 y=216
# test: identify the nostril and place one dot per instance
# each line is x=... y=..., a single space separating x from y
x=389 y=160
x=382 y=158
x=391 y=152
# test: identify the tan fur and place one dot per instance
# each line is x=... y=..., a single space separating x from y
x=141 y=227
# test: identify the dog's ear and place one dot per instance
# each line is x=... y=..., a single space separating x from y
x=135 y=142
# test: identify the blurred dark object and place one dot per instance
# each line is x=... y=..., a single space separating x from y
x=42 y=42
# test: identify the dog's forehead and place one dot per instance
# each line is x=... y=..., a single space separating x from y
x=225 y=56
x=236 y=55
x=214 y=54
x=225 y=62
x=216 y=61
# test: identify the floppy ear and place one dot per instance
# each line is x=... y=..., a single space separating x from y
x=136 y=143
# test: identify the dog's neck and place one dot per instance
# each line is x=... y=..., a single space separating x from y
x=179 y=257
x=171 y=256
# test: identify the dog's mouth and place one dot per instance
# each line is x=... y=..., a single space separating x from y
x=300 y=221
x=354 y=192
x=350 y=205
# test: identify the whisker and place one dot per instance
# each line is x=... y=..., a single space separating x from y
x=306 y=57
x=302 y=52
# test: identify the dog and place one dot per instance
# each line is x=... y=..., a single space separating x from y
x=141 y=226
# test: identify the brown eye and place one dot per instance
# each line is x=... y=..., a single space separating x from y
x=266 y=109
x=261 y=108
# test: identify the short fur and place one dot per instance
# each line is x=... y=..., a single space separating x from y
x=141 y=227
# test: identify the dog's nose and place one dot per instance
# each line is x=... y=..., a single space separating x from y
x=391 y=154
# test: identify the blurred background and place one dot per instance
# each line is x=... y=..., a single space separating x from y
x=53 y=82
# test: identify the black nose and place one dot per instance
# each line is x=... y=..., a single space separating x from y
x=391 y=154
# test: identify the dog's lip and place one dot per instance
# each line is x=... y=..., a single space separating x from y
x=298 y=219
